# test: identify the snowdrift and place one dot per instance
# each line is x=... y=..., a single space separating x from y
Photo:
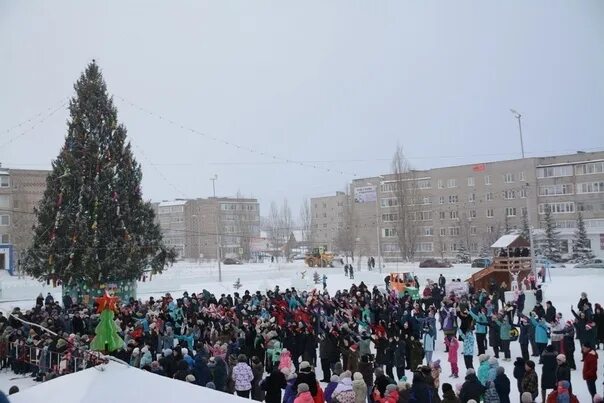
x=114 y=382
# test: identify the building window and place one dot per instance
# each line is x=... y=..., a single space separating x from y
x=427 y=231
x=509 y=194
x=452 y=183
x=423 y=247
x=440 y=184
x=472 y=197
x=424 y=184
x=4 y=201
x=441 y=200
x=390 y=217
x=427 y=200
x=590 y=168
x=508 y=177
x=487 y=180
x=590 y=187
x=4 y=220
x=453 y=199
x=472 y=213
x=490 y=196
x=490 y=229
x=4 y=181
x=5 y=238
x=389 y=232
x=473 y=231
x=490 y=213
x=522 y=193
x=423 y=216
x=453 y=215
x=454 y=231
x=389 y=202
x=556 y=190
x=510 y=211
x=441 y=215
x=585 y=207
x=443 y=231
x=470 y=181
x=553 y=172
x=557 y=208
x=521 y=177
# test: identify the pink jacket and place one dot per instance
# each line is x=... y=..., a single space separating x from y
x=453 y=346
x=285 y=360
x=304 y=397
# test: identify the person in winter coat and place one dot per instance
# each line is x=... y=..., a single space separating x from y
x=272 y=385
x=452 y=356
x=598 y=319
x=480 y=320
x=399 y=357
x=307 y=376
x=331 y=386
x=524 y=327
x=243 y=377
x=493 y=365
x=562 y=371
x=541 y=333
x=416 y=352
x=530 y=382
x=561 y=394
x=428 y=343
x=182 y=370
x=468 y=350
x=590 y=368
x=504 y=337
x=483 y=369
x=343 y=392
x=502 y=385
x=519 y=371
x=449 y=395
x=291 y=390
x=258 y=371
x=392 y=395
x=548 y=372
x=304 y=395
x=490 y=394
x=200 y=371
x=219 y=373
x=359 y=387
x=471 y=388
x=285 y=361
x=381 y=381
x=146 y=359
x=366 y=369
x=421 y=389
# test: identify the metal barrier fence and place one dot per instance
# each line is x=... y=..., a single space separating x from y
x=16 y=355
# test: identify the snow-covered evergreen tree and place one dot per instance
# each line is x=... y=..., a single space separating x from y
x=92 y=224
x=552 y=237
x=463 y=256
x=581 y=245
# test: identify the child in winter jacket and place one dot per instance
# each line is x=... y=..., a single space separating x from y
x=453 y=347
x=304 y=395
x=285 y=361
x=483 y=369
x=331 y=386
x=435 y=371
x=468 y=349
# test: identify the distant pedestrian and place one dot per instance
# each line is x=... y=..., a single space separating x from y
x=351 y=271
x=346 y=269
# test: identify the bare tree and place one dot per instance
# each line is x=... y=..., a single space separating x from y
x=405 y=191
x=273 y=223
x=306 y=221
x=465 y=231
x=286 y=226
x=346 y=237
x=440 y=245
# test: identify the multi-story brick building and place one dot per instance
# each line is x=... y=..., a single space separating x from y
x=327 y=218
x=473 y=204
x=195 y=227
x=20 y=191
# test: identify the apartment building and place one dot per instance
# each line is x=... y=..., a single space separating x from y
x=198 y=228
x=327 y=217
x=20 y=191
x=471 y=205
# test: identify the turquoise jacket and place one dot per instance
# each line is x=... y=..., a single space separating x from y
x=483 y=372
x=504 y=329
x=541 y=335
x=481 y=322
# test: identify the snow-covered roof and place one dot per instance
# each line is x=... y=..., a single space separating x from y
x=118 y=383
x=511 y=241
x=173 y=203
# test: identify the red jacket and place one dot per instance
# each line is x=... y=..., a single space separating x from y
x=320 y=397
x=590 y=366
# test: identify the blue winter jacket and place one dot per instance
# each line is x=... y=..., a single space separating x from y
x=290 y=394
x=468 y=343
x=541 y=328
x=483 y=372
x=481 y=322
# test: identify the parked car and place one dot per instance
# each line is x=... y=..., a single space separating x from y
x=482 y=262
x=435 y=263
x=229 y=260
x=592 y=264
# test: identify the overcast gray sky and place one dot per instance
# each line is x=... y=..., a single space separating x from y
x=311 y=80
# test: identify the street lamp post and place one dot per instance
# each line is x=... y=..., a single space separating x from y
x=377 y=223
x=214 y=179
x=518 y=116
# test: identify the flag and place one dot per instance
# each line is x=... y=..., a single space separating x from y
x=479 y=167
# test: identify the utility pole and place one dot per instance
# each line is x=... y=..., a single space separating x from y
x=218 y=257
x=518 y=116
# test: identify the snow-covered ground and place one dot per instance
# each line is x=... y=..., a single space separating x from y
x=563 y=291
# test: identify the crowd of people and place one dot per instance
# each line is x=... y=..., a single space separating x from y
x=369 y=345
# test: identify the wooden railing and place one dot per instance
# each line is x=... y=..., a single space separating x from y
x=512 y=263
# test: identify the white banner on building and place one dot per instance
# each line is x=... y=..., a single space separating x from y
x=365 y=194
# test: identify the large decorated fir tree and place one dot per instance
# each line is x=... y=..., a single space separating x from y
x=92 y=225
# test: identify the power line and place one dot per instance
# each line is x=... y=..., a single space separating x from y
x=62 y=101
x=232 y=144
x=33 y=126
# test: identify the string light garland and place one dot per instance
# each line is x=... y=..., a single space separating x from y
x=33 y=126
x=232 y=144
